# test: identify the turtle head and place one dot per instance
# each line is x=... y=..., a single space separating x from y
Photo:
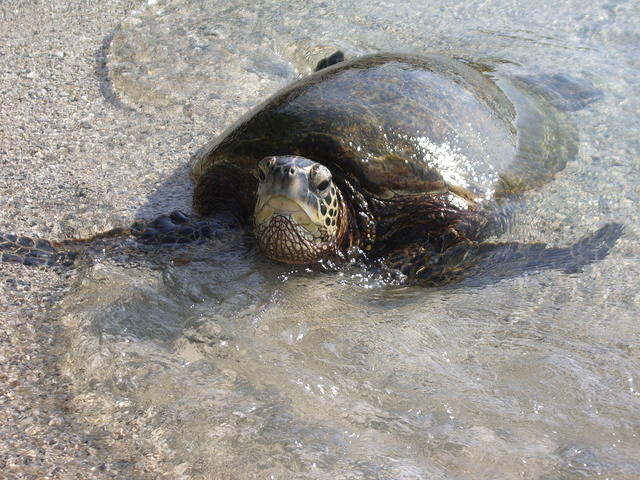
x=299 y=215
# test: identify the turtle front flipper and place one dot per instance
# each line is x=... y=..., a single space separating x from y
x=174 y=230
x=487 y=263
x=34 y=251
x=177 y=228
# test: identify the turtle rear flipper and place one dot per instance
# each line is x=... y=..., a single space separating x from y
x=488 y=263
x=563 y=91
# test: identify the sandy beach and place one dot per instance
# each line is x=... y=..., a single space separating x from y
x=73 y=162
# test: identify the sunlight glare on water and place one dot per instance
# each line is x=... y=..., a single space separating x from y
x=234 y=366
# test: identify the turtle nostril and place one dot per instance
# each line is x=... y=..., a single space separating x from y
x=292 y=170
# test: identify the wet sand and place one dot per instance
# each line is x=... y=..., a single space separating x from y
x=73 y=162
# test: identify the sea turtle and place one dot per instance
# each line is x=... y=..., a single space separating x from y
x=408 y=162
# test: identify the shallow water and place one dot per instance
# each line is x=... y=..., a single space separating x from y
x=234 y=367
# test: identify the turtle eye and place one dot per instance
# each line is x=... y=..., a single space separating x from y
x=320 y=178
x=261 y=175
x=323 y=185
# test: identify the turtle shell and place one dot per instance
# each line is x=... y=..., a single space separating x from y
x=395 y=126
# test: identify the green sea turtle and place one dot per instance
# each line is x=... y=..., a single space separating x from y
x=410 y=162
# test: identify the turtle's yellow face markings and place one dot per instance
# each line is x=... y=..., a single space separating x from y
x=297 y=213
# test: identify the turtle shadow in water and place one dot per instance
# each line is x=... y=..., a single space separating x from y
x=175 y=193
x=167 y=231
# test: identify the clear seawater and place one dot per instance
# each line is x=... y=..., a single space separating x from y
x=233 y=367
